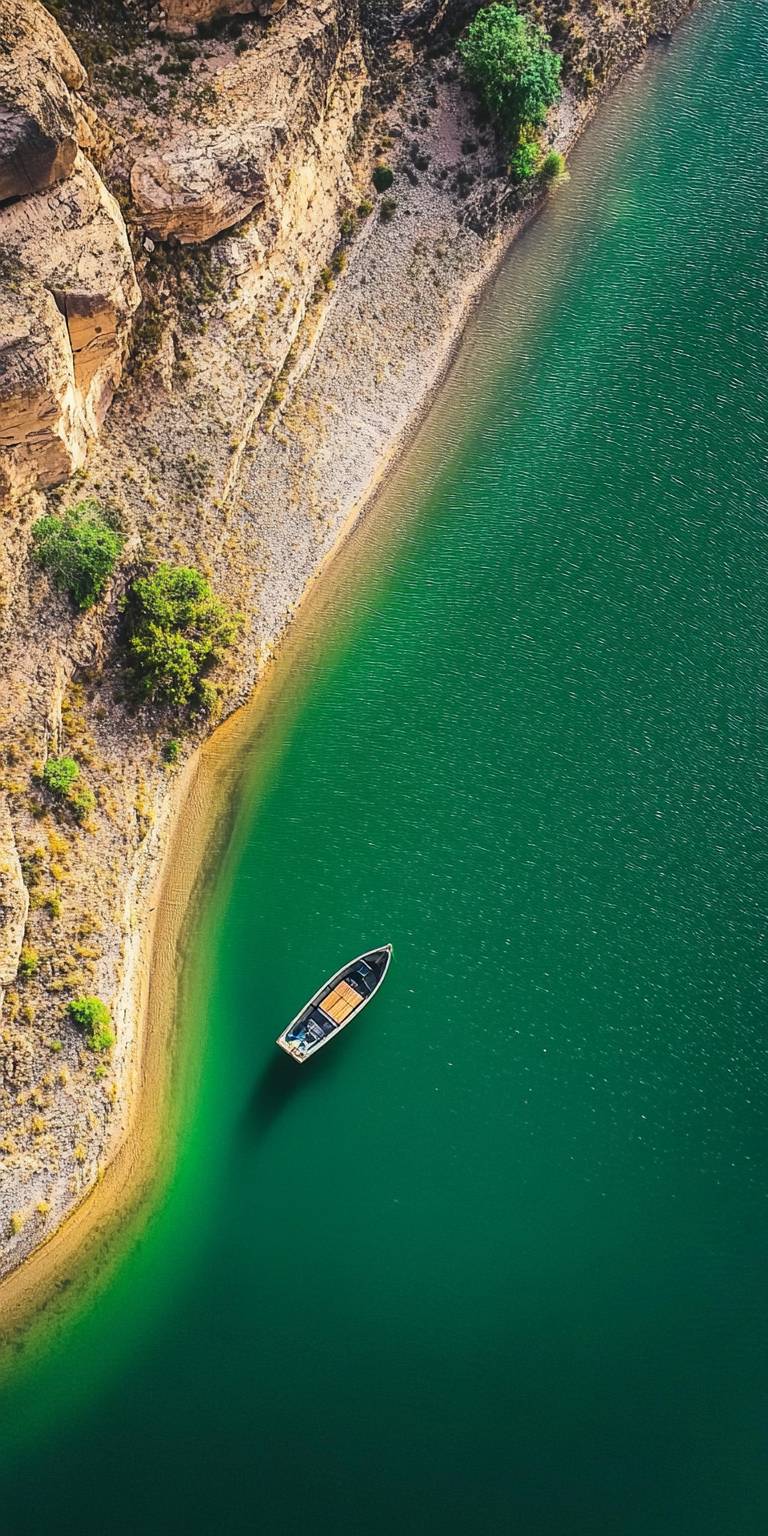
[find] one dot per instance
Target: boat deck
(335, 1004)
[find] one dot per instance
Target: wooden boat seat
(340, 1002)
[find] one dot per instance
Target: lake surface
(496, 1261)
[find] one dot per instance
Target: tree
(92, 1016)
(178, 628)
(79, 550)
(510, 63)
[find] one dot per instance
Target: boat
(340, 999)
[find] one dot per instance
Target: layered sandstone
(66, 307)
(205, 177)
(39, 116)
(14, 901)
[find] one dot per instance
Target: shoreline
(167, 890)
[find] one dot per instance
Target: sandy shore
(359, 391)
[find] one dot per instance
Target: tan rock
(42, 435)
(39, 118)
(14, 901)
(67, 302)
(270, 101)
(199, 186)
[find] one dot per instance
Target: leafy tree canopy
(79, 551)
(510, 63)
(178, 628)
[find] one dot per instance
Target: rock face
(180, 17)
(39, 117)
(270, 103)
(14, 902)
(200, 186)
(66, 307)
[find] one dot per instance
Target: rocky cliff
(192, 235)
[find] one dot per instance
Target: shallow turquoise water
(496, 1261)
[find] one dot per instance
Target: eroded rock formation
(14, 902)
(39, 116)
(179, 18)
(204, 178)
(68, 282)
(66, 307)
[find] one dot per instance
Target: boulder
(202, 185)
(39, 117)
(69, 293)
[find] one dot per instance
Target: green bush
(172, 750)
(79, 550)
(526, 155)
(59, 775)
(382, 178)
(554, 168)
(387, 209)
(511, 65)
(92, 1016)
(178, 628)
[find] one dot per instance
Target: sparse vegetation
(29, 962)
(60, 777)
(79, 550)
(387, 208)
(92, 1016)
(177, 629)
(509, 61)
(81, 801)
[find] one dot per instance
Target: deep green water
(497, 1260)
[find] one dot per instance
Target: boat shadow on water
(276, 1087)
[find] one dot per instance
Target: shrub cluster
(177, 629)
(59, 777)
(79, 550)
(382, 177)
(525, 157)
(92, 1016)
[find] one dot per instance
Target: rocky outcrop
(66, 306)
(198, 187)
(40, 120)
(14, 902)
(270, 98)
(179, 18)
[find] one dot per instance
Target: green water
(496, 1261)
